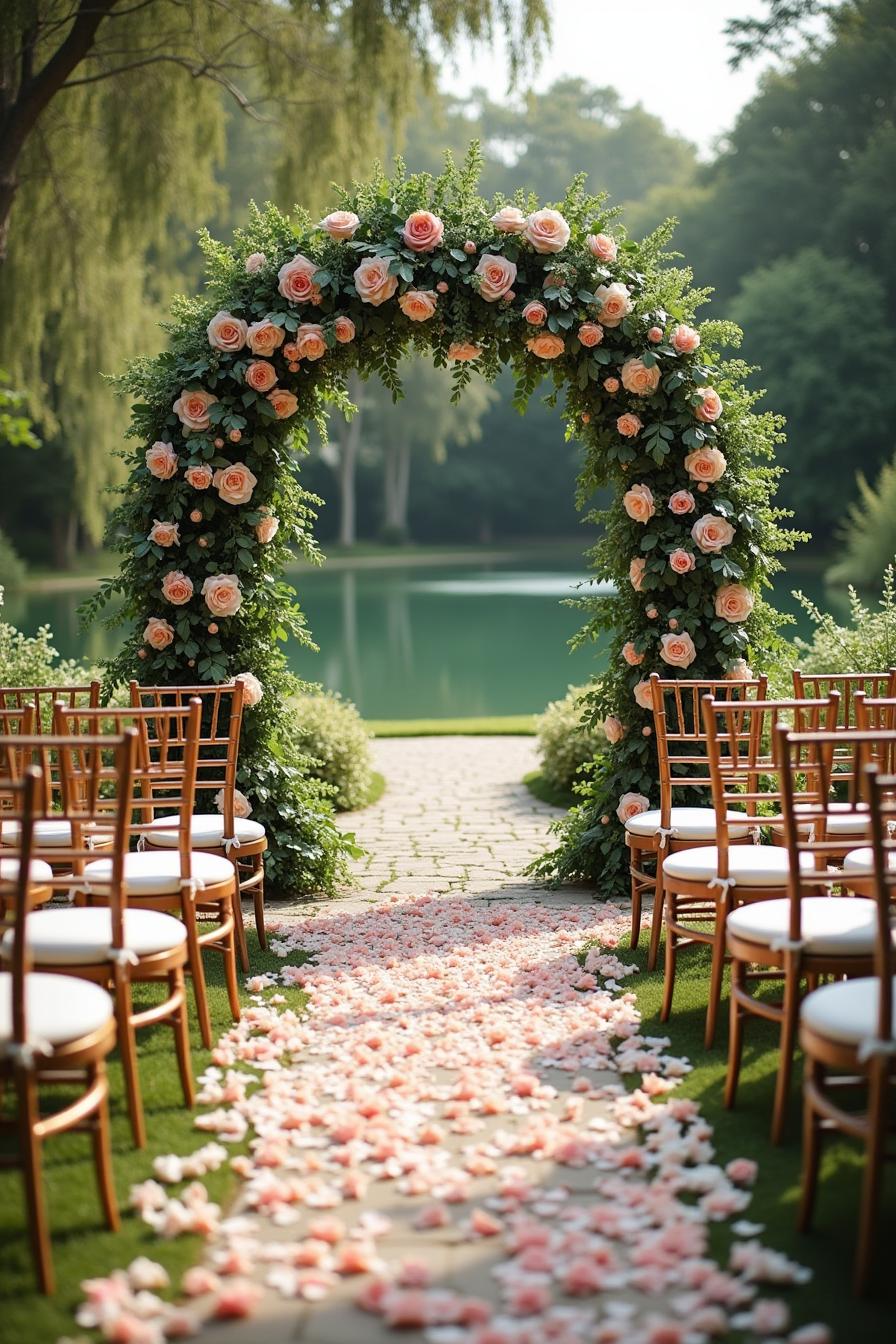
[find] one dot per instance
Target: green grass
(500, 724)
(82, 1246)
(546, 792)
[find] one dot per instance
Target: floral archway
(213, 504)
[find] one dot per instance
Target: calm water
(419, 641)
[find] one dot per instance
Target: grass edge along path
(496, 725)
(541, 788)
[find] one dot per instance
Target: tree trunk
(396, 483)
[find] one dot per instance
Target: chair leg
(636, 906)
(197, 971)
(32, 1170)
(671, 956)
(812, 1134)
(736, 1018)
(716, 973)
(791, 1009)
(258, 901)
(878, 1079)
(182, 1036)
(102, 1151)
(233, 991)
(240, 928)
(656, 917)
(127, 1045)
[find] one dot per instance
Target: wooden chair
(681, 753)
(819, 685)
(43, 698)
(240, 839)
(54, 1029)
(19, 722)
(848, 1038)
(198, 887)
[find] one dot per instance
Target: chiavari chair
(43, 698)
(819, 685)
(19, 722)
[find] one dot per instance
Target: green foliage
(868, 537)
(31, 660)
(567, 739)
(330, 730)
(866, 644)
(12, 567)
(16, 430)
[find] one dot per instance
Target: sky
(670, 55)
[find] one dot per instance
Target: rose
(636, 572)
(267, 525)
(739, 671)
(602, 246)
(705, 464)
(463, 351)
(638, 379)
(161, 460)
(177, 588)
(682, 502)
(199, 477)
(340, 224)
(638, 503)
(614, 303)
(655, 335)
(643, 694)
(545, 345)
(677, 649)
(590, 334)
(264, 337)
(164, 534)
(535, 313)
(710, 407)
(422, 231)
(241, 805)
(509, 219)
(614, 730)
(284, 403)
(260, 375)
(611, 385)
(418, 304)
(254, 262)
(547, 231)
(734, 602)
(252, 688)
(158, 633)
(682, 561)
(628, 425)
(226, 332)
(497, 275)
(631, 655)
(235, 483)
(294, 280)
(373, 282)
(222, 594)
(712, 533)
(310, 341)
(344, 329)
(631, 805)
(191, 408)
(684, 339)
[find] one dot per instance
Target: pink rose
(643, 694)
(684, 339)
(631, 655)
(497, 275)
(638, 503)
(682, 561)
(739, 671)
(710, 407)
(310, 341)
(267, 525)
(602, 246)
(614, 729)
(631, 805)
(284, 403)
(418, 304)
(682, 502)
(177, 588)
(712, 533)
(638, 379)
(677, 649)
(636, 572)
(344, 329)
(158, 633)
(547, 231)
(614, 303)
(199, 477)
(222, 594)
(535, 313)
(611, 385)
(264, 337)
(191, 408)
(254, 262)
(422, 231)
(261, 375)
(164, 534)
(509, 219)
(705, 464)
(655, 335)
(628, 425)
(546, 345)
(340, 224)
(373, 282)
(590, 334)
(294, 280)
(463, 351)
(252, 689)
(161, 460)
(734, 602)
(226, 332)
(235, 483)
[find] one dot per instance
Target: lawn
(82, 1247)
(546, 792)
(487, 726)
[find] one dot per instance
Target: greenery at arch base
(462, 327)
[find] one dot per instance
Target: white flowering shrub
(331, 732)
(566, 740)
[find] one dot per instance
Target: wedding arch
(213, 507)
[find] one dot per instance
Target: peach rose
(631, 805)
(684, 339)
(590, 334)
(602, 246)
(373, 282)
(614, 303)
(191, 408)
(614, 729)
(261, 375)
(509, 219)
(682, 502)
(199, 477)
(267, 525)
(294, 280)
(418, 304)
(254, 262)
(611, 385)
(264, 337)
(344, 329)
(547, 231)
(161, 460)
(682, 561)
(235, 483)
(177, 588)
(463, 351)
(638, 379)
(241, 805)
(422, 231)
(340, 224)
(638, 503)
(705, 464)
(252, 689)
(628, 425)
(310, 341)
(711, 533)
(497, 275)
(677, 649)
(546, 345)
(226, 332)
(164, 534)
(643, 694)
(222, 594)
(636, 572)
(734, 602)
(158, 633)
(631, 655)
(710, 407)
(284, 403)
(739, 671)
(535, 313)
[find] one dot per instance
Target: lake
(451, 637)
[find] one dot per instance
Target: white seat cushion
(860, 862)
(748, 865)
(38, 871)
(688, 823)
(82, 936)
(157, 872)
(58, 1008)
(835, 924)
(48, 833)
(843, 819)
(206, 831)
(845, 1011)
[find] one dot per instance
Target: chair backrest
(818, 686)
(17, 722)
(882, 803)
(878, 714)
(22, 794)
(43, 698)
